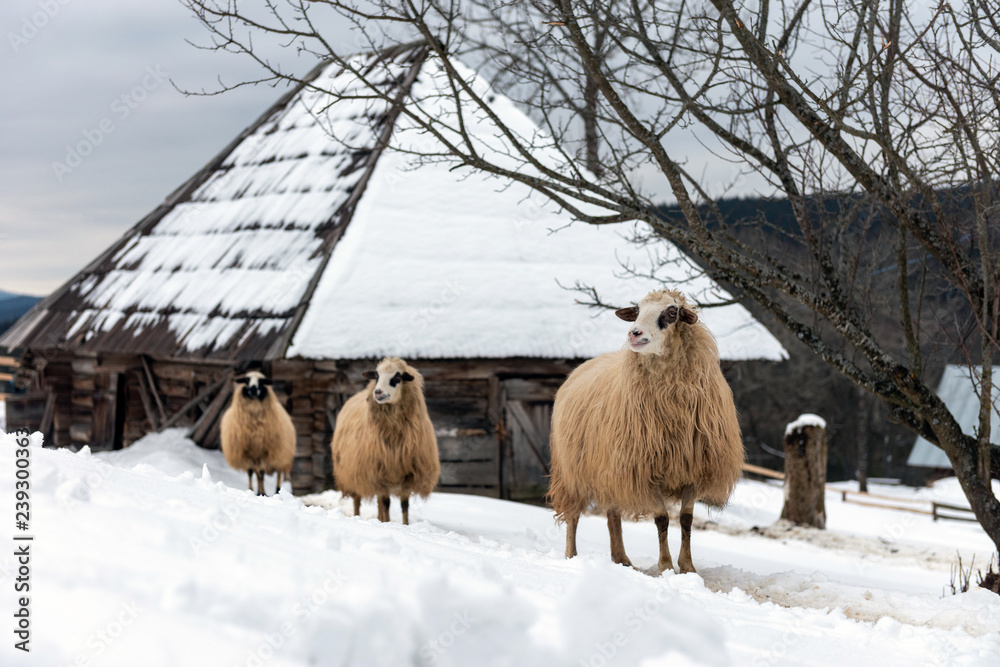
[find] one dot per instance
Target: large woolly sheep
(384, 443)
(636, 430)
(257, 433)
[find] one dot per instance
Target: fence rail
(930, 508)
(965, 513)
(764, 472)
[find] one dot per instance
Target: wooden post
(863, 430)
(205, 393)
(204, 427)
(805, 471)
(47, 415)
(151, 385)
(147, 404)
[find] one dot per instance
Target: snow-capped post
(805, 471)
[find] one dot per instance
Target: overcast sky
(96, 77)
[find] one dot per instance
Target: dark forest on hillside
(12, 306)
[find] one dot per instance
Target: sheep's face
(389, 378)
(654, 318)
(254, 386)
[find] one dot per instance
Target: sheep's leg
(250, 479)
(383, 508)
(662, 522)
(404, 502)
(687, 507)
(277, 484)
(260, 483)
(571, 523)
(357, 505)
(617, 544)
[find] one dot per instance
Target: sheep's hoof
(686, 568)
(664, 566)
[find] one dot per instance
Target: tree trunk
(591, 100)
(963, 453)
(591, 138)
(862, 441)
(805, 472)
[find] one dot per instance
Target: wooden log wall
(26, 410)
(57, 379)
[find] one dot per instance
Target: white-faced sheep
(636, 430)
(384, 443)
(257, 433)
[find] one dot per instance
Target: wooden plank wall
(304, 390)
(25, 410)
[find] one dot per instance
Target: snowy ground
(158, 555)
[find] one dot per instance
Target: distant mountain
(12, 306)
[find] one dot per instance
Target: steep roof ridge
(420, 51)
(20, 334)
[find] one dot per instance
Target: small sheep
(636, 430)
(257, 433)
(384, 442)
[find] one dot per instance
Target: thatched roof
(315, 234)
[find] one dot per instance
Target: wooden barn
(315, 244)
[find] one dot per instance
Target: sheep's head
(654, 318)
(389, 377)
(255, 385)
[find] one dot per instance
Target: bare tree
(504, 39)
(878, 121)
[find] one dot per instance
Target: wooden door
(527, 419)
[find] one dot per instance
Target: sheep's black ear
(628, 314)
(407, 377)
(266, 381)
(688, 316)
(370, 375)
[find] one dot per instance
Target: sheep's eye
(396, 379)
(667, 317)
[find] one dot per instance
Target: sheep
(257, 433)
(384, 443)
(636, 430)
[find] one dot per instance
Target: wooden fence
(930, 508)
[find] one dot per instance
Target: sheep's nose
(635, 333)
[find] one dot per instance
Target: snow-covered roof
(960, 393)
(316, 235)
